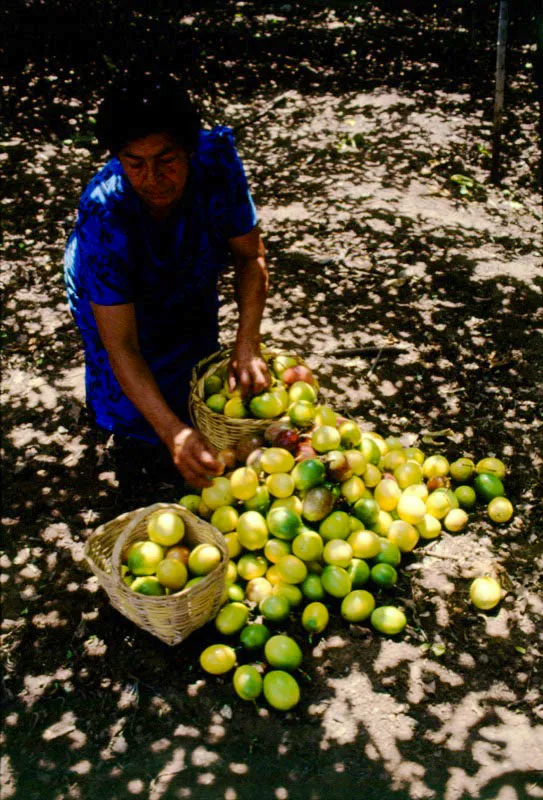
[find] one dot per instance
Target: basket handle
(202, 366)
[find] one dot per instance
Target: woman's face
(157, 168)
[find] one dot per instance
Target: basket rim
(134, 517)
(202, 369)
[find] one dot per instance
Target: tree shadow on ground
(418, 308)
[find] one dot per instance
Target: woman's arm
(247, 367)
(117, 328)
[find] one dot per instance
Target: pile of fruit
(161, 565)
(318, 516)
(293, 389)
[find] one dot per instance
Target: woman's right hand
(194, 458)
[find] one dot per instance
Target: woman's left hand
(248, 369)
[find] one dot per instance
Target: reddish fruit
(298, 373)
(274, 429)
(228, 457)
(246, 445)
(337, 466)
(287, 439)
(305, 450)
(388, 476)
(437, 482)
(179, 553)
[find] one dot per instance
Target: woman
(156, 226)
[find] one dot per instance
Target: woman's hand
(248, 369)
(194, 458)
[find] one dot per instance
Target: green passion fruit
(247, 682)
(315, 617)
(281, 690)
(488, 486)
(254, 636)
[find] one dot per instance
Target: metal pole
(499, 90)
(538, 74)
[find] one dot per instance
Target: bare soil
(419, 307)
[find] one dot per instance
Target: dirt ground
(416, 297)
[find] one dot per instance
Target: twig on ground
(375, 361)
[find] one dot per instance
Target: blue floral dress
(118, 254)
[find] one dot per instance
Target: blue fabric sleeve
(104, 258)
(240, 212)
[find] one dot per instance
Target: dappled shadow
(415, 297)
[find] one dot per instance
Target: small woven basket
(173, 617)
(221, 431)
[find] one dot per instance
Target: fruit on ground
(247, 682)
(254, 636)
(485, 593)
(283, 652)
(317, 503)
(283, 523)
(435, 466)
(466, 497)
(411, 509)
(339, 552)
(191, 502)
(281, 690)
(218, 659)
(252, 530)
(315, 617)
(357, 605)
(462, 469)
(500, 509)
(218, 494)
(243, 483)
(225, 519)
(359, 572)
(456, 520)
(251, 566)
(291, 591)
(388, 619)
(308, 473)
(308, 545)
(274, 608)
(488, 486)
(493, 466)
(291, 569)
(384, 575)
(403, 534)
(336, 581)
(276, 459)
(325, 438)
(231, 618)
(257, 589)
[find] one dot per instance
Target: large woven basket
(170, 618)
(221, 431)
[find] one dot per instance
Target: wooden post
(499, 90)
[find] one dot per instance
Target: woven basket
(221, 431)
(170, 618)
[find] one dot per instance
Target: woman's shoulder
(107, 189)
(217, 147)
(107, 196)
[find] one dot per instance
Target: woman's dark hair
(140, 106)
